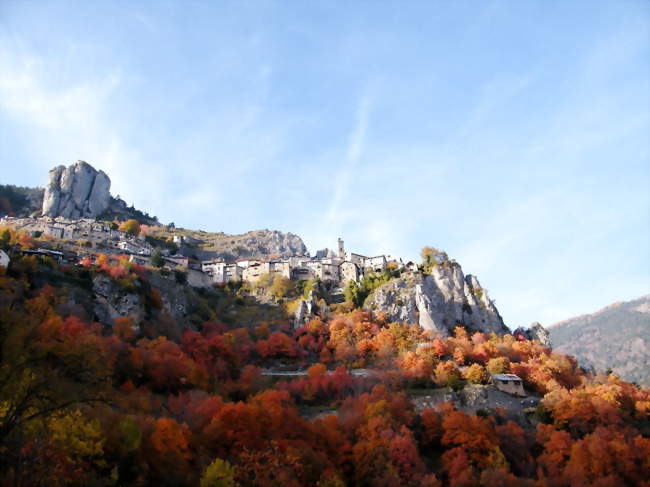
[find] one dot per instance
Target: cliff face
(256, 243)
(78, 191)
(438, 302)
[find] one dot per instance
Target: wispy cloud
(336, 214)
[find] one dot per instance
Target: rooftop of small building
(506, 377)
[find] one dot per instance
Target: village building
(196, 278)
(375, 264)
(54, 231)
(134, 247)
(139, 259)
(510, 383)
(336, 267)
(216, 269)
(348, 271)
(54, 254)
(233, 272)
(301, 273)
(253, 272)
(177, 261)
(280, 267)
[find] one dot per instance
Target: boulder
(78, 191)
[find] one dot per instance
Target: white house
(134, 247)
(216, 269)
(375, 264)
(4, 259)
(355, 258)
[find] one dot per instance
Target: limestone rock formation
(535, 332)
(310, 308)
(274, 242)
(438, 301)
(256, 243)
(78, 191)
(110, 302)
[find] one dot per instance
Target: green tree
(156, 258)
(352, 293)
(5, 238)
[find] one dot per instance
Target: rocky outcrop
(256, 243)
(271, 242)
(310, 308)
(112, 302)
(78, 191)
(438, 301)
(535, 332)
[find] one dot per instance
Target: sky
(514, 135)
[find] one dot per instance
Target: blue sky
(514, 135)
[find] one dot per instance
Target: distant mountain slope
(616, 337)
(20, 201)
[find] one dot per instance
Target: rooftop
(506, 377)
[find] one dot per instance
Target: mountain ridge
(616, 337)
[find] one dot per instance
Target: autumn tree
(219, 473)
(131, 226)
(477, 374)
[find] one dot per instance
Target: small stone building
(509, 383)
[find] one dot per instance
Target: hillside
(20, 201)
(183, 387)
(616, 337)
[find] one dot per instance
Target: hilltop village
(72, 240)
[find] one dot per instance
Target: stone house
(330, 272)
(245, 263)
(301, 273)
(355, 258)
(233, 272)
(253, 272)
(196, 278)
(177, 261)
(375, 264)
(54, 231)
(509, 383)
(216, 269)
(348, 271)
(280, 267)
